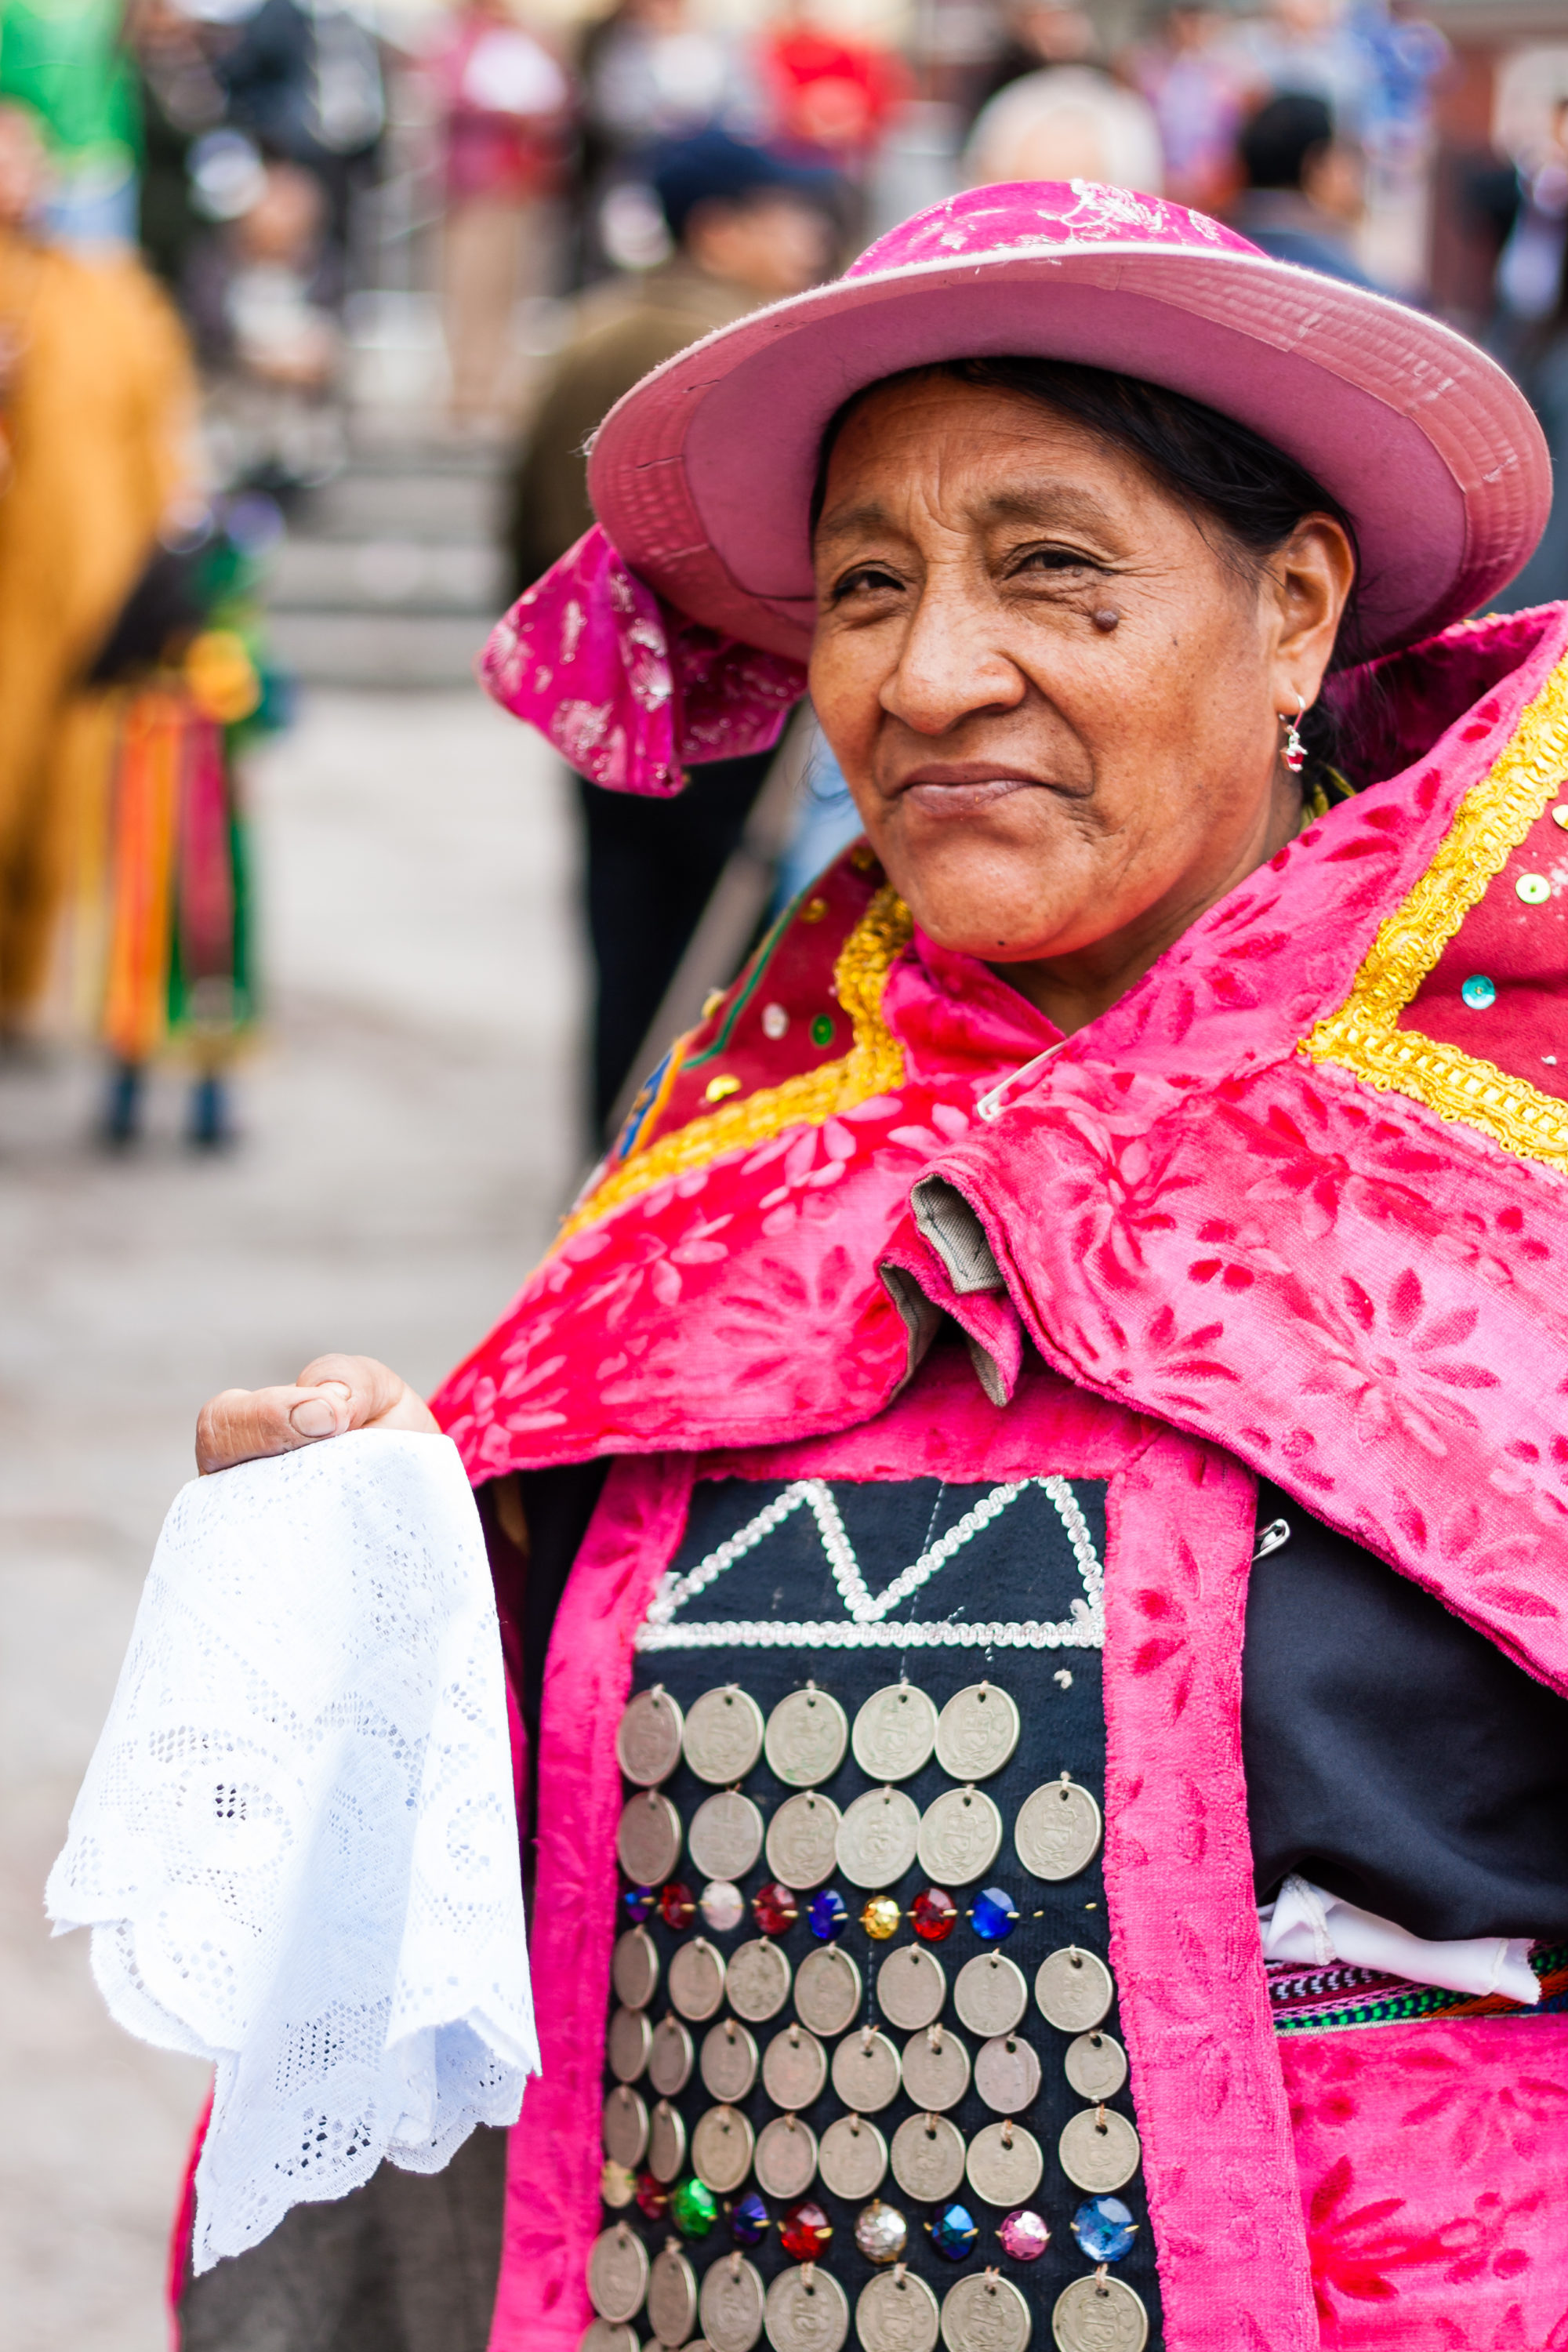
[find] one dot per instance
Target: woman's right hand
(333, 1394)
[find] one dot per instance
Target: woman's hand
(333, 1394)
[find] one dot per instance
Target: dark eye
(1056, 559)
(866, 579)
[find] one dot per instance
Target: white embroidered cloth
(296, 1842)
(1306, 1923)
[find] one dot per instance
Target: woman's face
(1055, 700)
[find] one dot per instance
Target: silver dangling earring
(1295, 753)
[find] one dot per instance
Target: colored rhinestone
(723, 1906)
(993, 1914)
(822, 1029)
(881, 2233)
(805, 2231)
(1533, 889)
(749, 2220)
(1023, 2236)
(677, 1904)
(653, 2197)
(617, 2186)
(774, 1909)
(879, 1917)
(775, 1021)
(828, 1916)
(954, 2233)
(1479, 993)
(641, 1903)
(933, 1916)
(717, 1088)
(1104, 2228)
(693, 2209)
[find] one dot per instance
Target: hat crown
(1022, 215)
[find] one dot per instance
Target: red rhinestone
(653, 2197)
(933, 1916)
(774, 1909)
(679, 1905)
(805, 2231)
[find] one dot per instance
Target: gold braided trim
(873, 1065)
(1363, 1036)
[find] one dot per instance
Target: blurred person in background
(1303, 189)
(747, 228)
(1067, 123)
(1192, 81)
(1037, 33)
(505, 107)
(180, 104)
(1530, 335)
(99, 405)
(303, 79)
(66, 61)
(1305, 48)
(261, 296)
(832, 98)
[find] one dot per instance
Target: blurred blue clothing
(825, 822)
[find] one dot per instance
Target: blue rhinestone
(992, 1913)
(641, 1903)
(749, 2220)
(1479, 992)
(828, 1916)
(953, 2231)
(1104, 2228)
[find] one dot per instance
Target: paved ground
(409, 1141)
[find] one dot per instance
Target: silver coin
(671, 2296)
(634, 1967)
(730, 2304)
(617, 2273)
(897, 2313)
(828, 1990)
(927, 2157)
(1098, 2150)
(1058, 1830)
(617, 2184)
(936, 2069)
(648, 1740)
(806, 1736)
(976, 1732)
(670, 2059)
(626, 2126)
(785, 2157)
(728, 2061)
(806, 2311)
(627, 2045)
(895, 1733)
(1008, 2074)
(960, 1836)
(985, 2313)
(911, 1984)
(853, 2159)
(1096, 2065)
(758, 1980)
(879, 1837)
(1099, 2314)
(647, 1842)
(866, 2072)
(1074, 1990)
(802, 1840)
(990, 1994)
(724, 1837)
(722, 2147)
(696, 1978)
(723, 1735)
(665, 2142)
(604, 2336)
(1005, 2164)
(795, 2068)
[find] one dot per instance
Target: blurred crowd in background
(213, 214)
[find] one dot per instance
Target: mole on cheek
(1106, 619)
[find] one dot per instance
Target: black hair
(1219, 469)
(1273, 147)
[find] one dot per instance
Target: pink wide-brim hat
(702, 475)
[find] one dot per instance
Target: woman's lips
(963, 796)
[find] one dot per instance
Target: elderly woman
(1046, 1796)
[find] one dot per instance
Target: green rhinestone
(693, 2209)
(822, 1029)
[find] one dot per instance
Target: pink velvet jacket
(1292, 1206)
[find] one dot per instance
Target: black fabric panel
(1394, 1755)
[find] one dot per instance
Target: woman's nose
(950, 666)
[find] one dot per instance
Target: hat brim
(702, 475)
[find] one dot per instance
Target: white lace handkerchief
(296, 1842)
